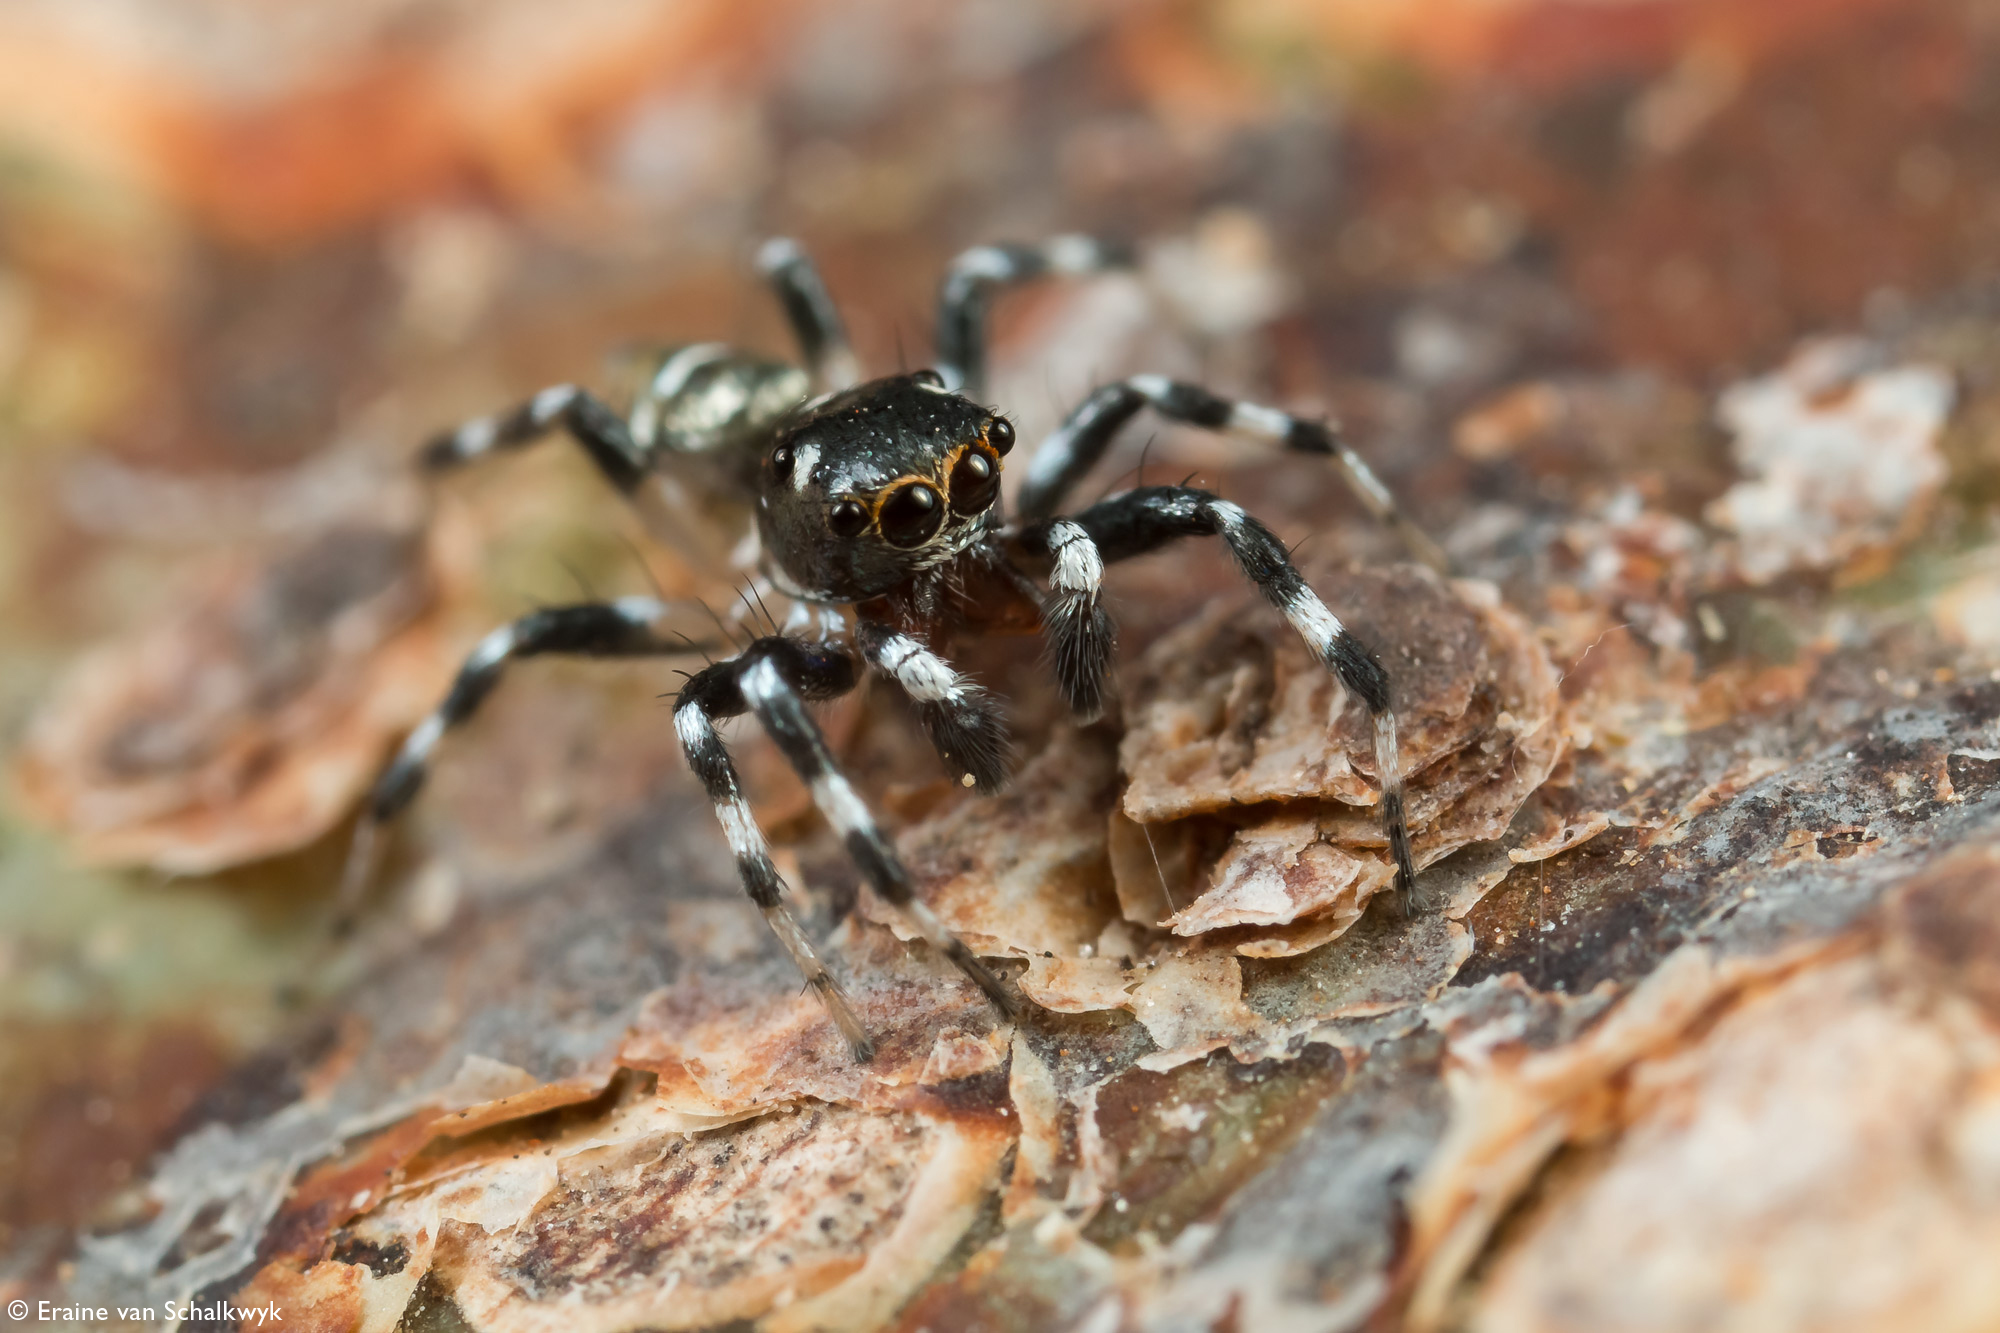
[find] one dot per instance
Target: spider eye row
(913, 512)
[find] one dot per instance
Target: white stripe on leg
(475, 437)
(551, 403)
(710, 759)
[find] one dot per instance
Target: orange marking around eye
(940, 483)
(981, 447)
(986, 445)
(881, 497)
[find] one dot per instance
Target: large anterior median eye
(974, 482)
(912, 515)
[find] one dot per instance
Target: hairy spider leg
(964, 721)
(717, 693)
(605, 438)
(1143, 520)
(622, 628)
(815, 320)
(779, 707)
(968, 288)
(772, 679)
(1077, 445)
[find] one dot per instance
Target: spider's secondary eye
(930, 377)
(781, 461)
(847, 518)
(1000, 435)
(974, 483)
(912, 515)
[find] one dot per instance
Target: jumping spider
(875, 508)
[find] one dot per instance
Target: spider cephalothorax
(875, 507)
(875, 484)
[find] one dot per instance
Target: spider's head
(879, 483)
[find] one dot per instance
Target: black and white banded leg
(815, 320)
(773, 679)
(779, 706)
(1143, 520)
(968, 287)
(1077, 445)
(716, 693)
(604, 437)
(627, 627)
(963, 720)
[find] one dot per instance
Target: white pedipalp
(923, 675)
(1079, 568)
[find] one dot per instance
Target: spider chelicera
(875, 508)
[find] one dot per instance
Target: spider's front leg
(1143, 520)
(1077, 445)
(773, 679)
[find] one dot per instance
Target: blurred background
(252, 253)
